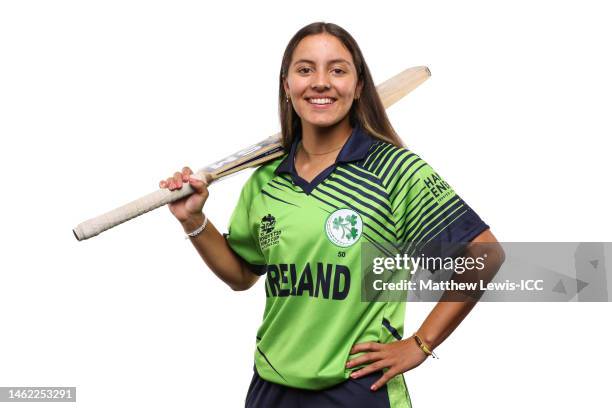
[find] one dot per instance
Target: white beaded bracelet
(198, 230)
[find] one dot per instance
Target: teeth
(321, 101)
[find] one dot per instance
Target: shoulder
(261, 176)
(386, 161)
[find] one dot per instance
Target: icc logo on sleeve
(268, 234)
(343, 227)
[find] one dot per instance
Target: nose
(320, 82)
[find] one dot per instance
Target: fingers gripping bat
(268, 149)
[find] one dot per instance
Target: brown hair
(368, 110)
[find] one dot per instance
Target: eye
(338, 71)
(304, 70)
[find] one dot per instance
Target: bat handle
(151, 201)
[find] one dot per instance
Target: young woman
(300, 220)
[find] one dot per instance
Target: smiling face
(322, 81)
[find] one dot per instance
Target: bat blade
(268, 149)
(262, 152)
(395, 88)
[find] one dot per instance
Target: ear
(358, 89)
(286, 86)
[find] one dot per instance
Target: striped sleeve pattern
(427, 213)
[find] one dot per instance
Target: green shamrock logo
(347, 224)
(351, 219)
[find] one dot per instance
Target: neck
(320, 140)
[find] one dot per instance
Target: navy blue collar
(356, 148)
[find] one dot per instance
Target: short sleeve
(431, 218)
(241, 232)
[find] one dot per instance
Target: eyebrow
(334, 61)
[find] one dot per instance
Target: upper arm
(487, 237)
(249, 277)
(431, 218)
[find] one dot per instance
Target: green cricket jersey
(305, 237)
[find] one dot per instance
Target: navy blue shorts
(350, 393)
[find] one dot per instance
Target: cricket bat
(268, 149)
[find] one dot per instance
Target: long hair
(367, 111)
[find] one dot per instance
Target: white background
(99, 100)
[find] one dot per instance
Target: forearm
(454, 306)
(443, 320)
(217, 254)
